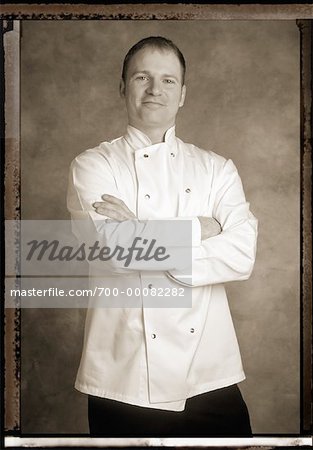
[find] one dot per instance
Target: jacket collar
(137, 139)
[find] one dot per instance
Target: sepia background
(243, 103)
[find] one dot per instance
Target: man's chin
(152, 119)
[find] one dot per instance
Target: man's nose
(154, 87)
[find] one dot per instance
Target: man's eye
(169, 81)
(142, 77)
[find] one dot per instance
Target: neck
(155, 135)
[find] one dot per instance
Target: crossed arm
(115, 209)
(222, 251)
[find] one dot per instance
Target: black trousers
(222, 412)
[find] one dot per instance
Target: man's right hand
(209, 227)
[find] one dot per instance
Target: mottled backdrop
(243, 102)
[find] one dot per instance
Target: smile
(153, 104)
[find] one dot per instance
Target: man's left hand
(114, 208)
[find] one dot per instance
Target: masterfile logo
(140, 250)
(85, 263)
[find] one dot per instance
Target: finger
(110, 205)
(114, 201)
(116, 208)
(118, 204)
(113, 213)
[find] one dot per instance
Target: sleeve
(229, 256)
(90, 177)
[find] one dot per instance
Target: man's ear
(122, 88)
(182, 96)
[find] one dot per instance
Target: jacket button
(153, 336)
(150, 286)
(188, 190)
(146, 155)
(147, 196)
(173, 154)
(192, 330)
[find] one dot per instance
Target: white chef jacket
(159, 357)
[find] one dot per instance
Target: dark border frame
(302, 13)
(306, 125)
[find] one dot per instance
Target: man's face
(153, 90)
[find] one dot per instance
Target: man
(163, 371)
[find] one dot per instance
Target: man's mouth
(153, 104)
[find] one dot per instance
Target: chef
(168, 363)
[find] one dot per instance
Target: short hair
(158, 42)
